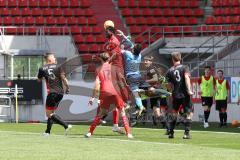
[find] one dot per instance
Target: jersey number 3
(177, 75)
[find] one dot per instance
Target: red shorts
(107, 101)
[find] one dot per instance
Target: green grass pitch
(25, 142)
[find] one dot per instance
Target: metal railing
(182, 31)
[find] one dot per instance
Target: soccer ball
(234, 123)
(108, 23)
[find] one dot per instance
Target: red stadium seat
(26, 12)
(82, 21)
(11, 31)
(132, 4)
(198, 12)
(130, 20)
(46, 12)
(31, 30)
(86, 30)
(61, 20)
(79, 38)
(122, 4)
(188, 12)
(151, 21)
(92, 21)
(153, 3)
(96, 30)
(228, 20)
(57, 12)
(36, 12)
(67, 12)
(139, 39)
(178, 12)
(236, 11)
(18, 21)
(75, 30)
(136, 12)
(193, 21)
(235, 3)
(147, 12)
(172, 21)
(29, 20)
(74, 3)
(218, 12)
(141, 21)
(167, 12)
(33, 3)
(177, 29)
(216, 3)
(15, 12)
(162, 21)
(135, 29)
(54, 30)
(53, 3)
(187, 29)
(183, 3)
(163, 4)
(40, 21)
(156, 29)
(90, 39)
(5, 12)
(43, 3)
(157, 12)
(22, 3)
(88, 12)
(167, 29)
(219, 20)
(50, 21)
(126, 12)
(210, 20)
(93, 48)
(236, 20)
(7, 20)
(3, 3)
(72, 21)
(182, 21)
(12, 3)
(63, 3)
(193, 4)
(85, 4)
(173, 3)
(228, 11)
(100, 39)
(142, 3)
(78, 12)
(226, 3)
(83, 48)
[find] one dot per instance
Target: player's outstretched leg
(49, 126)
(93, 126)
(115, 128)
(187, 125)
(56, 118)
(126, 123)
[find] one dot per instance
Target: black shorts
(221, 104)
(207, 101)
(163, 101)
(154, 102)
(183, 105)
(53, 99)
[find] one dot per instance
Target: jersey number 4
(177, 75)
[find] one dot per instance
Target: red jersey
(109, 87)
(113, 46)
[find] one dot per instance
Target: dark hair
(47, 55)
(150, 58)
(220, 71)
(104, 56)
(207, 67)
(137, 49)
(111, 29)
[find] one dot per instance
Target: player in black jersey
(179, 78)
(55, 79)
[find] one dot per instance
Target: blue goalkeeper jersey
(131, 62)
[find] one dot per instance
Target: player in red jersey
(108, 86)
